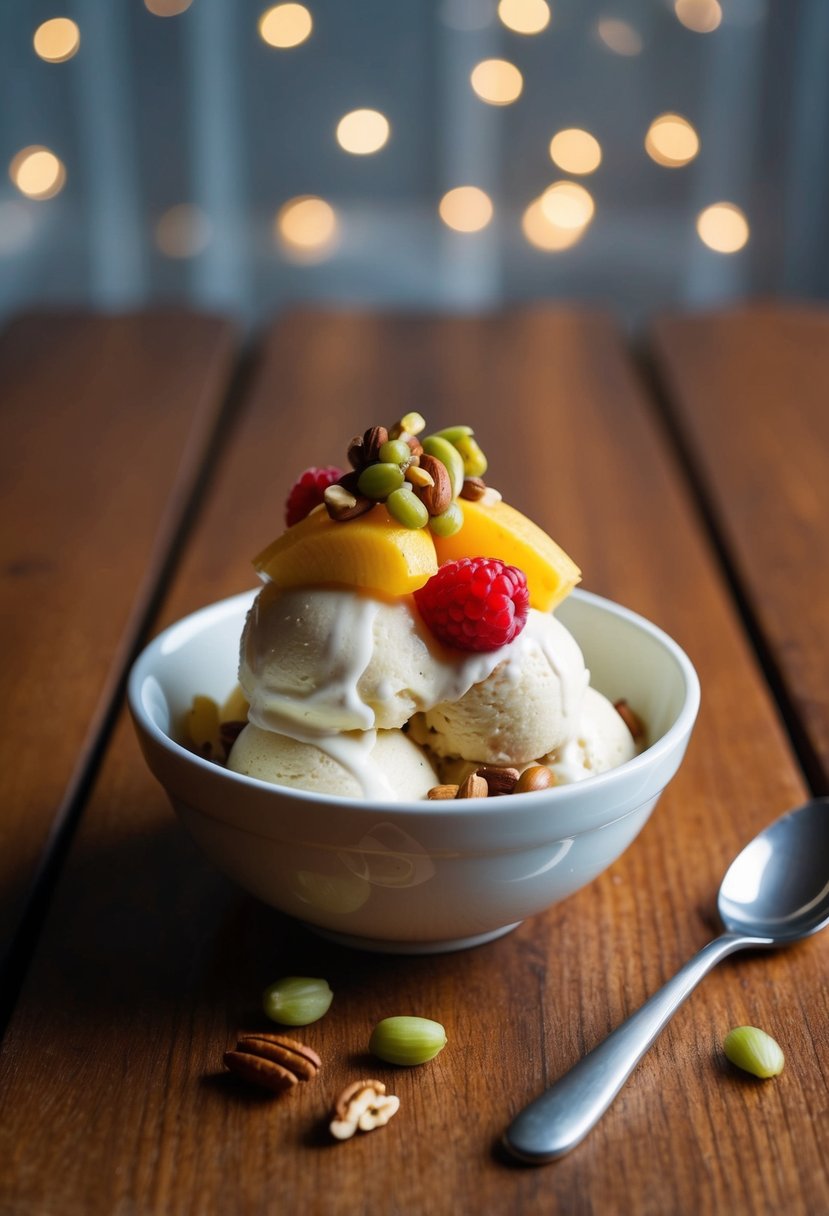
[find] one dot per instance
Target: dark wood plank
(152, 963)
(749, 390)
(105, 426)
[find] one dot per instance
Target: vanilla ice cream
(602, 741)
(381, 764)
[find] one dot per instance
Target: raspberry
(476, 603)
(307, 492)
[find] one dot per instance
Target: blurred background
(440, 154)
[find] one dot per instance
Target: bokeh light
(619, 36)
(701, 16)
(362, 132)
(183, 231)
(723, 227)
(568, 205)
(307, 227)
(167, 8)
(671, 141)
(57, 40)
(497, 81)
(544, 234)
(285, 25)
(37, 172)
(466, 209)
(576, 151)
(524, 16)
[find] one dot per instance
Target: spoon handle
(557, 1121)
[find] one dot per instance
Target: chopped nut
(536, 777)
(272, 1061)
(439, 793)
(499, 780)
(473, 489)
(473, 787)
(342, 505)
(491, 496)
(230, 732)
(356, 452)
(362, 1106)
(419, 477)
(373, 440)
(436, 497)
(631, 719)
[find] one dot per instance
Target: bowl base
(377, 945)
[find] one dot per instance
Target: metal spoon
(774, 893)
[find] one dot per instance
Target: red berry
(476, 603)
(307, 492)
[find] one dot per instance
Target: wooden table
(146, 459)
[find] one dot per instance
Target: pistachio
(413, 423)
(297, 1000)
(754, 1051)
(536, 777)
(407, 1040)
(474, 461)
(448, 454)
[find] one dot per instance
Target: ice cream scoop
(602, 741)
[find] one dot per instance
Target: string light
(497, 81)
(183, 231)
(307, 227)
(57, 40)
(37, 172)
(568, 205)
(541, 232)
(701, 16)
(671, 141)
(723, 227)
(363, 131)
(619, 36)
(576, 151)
(466, 209)
(167, 8)
(524, 16)
(285, 25)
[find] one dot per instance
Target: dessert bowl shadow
(414, 877)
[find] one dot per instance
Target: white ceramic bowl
(414, 877)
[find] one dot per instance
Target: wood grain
(750, 391)
(152, 963)
(106, 421)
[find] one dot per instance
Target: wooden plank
(106, 421)
(152, 963)
(749, 391)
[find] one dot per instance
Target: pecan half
(272, 1061)
(630, 718)
(373, 440)
(362, 1105)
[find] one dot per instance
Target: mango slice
(373, 552)
(498, 530)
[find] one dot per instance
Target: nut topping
(362, 1106)
(473, 489)
(440, 793)
(342, 505)
(499, 780)
(473, 787)
(436, 497)
(272, 1061)
(373, 440)
(631, 719)
(536, 777)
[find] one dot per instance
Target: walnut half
(362, 1106)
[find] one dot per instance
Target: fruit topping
(373, 552)
(307, 492)
(497, 529)
(475, 603)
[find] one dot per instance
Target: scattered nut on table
(272, 1061)
(362, 1106)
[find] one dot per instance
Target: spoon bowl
(774, 893)
(778, 887)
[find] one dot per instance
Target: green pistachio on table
(754, 1051)
(297, 1000)
(407, 1040)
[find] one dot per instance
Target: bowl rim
(202, 618)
